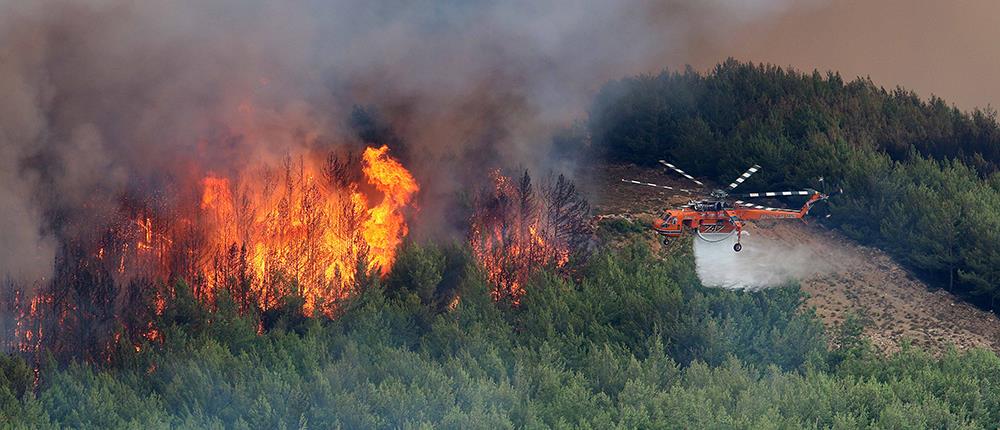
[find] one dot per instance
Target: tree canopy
(635, 343)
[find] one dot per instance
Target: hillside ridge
(854, 280)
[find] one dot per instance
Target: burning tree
(303, 229)
(517, 229)
(306, 232)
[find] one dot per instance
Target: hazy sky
(947, 48)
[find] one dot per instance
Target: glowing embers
(516, 231)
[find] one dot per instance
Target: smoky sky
(104, 98)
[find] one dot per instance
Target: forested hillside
(636, 343)
(622, 336)
(920, 177)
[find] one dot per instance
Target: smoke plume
(106, 99)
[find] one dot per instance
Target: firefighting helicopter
(714, 218)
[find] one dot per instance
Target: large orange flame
(385, 227)
(301, 236)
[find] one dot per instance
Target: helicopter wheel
(666, 241)
(737, 247)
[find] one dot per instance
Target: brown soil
(858, 280)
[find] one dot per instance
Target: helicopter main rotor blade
(683, 173)
(753, 169)
(657, 186)
(751, 205)
(776, 194)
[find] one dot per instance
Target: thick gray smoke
(105, 98)
(763, 262)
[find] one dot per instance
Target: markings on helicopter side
(712, 228)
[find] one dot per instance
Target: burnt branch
(342, 170)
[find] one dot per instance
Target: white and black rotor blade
(753, 206)
(665, 187)
(768, 194)
(683, 173)
(753, 169)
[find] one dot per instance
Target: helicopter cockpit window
(672, 220)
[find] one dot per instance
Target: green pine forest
(630, 338)
(920, 178)
(635, 343)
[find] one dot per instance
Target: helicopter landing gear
(739, 235)
(666, 241)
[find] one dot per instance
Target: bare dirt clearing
(844, 276)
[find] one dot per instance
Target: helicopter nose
(657, 223)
